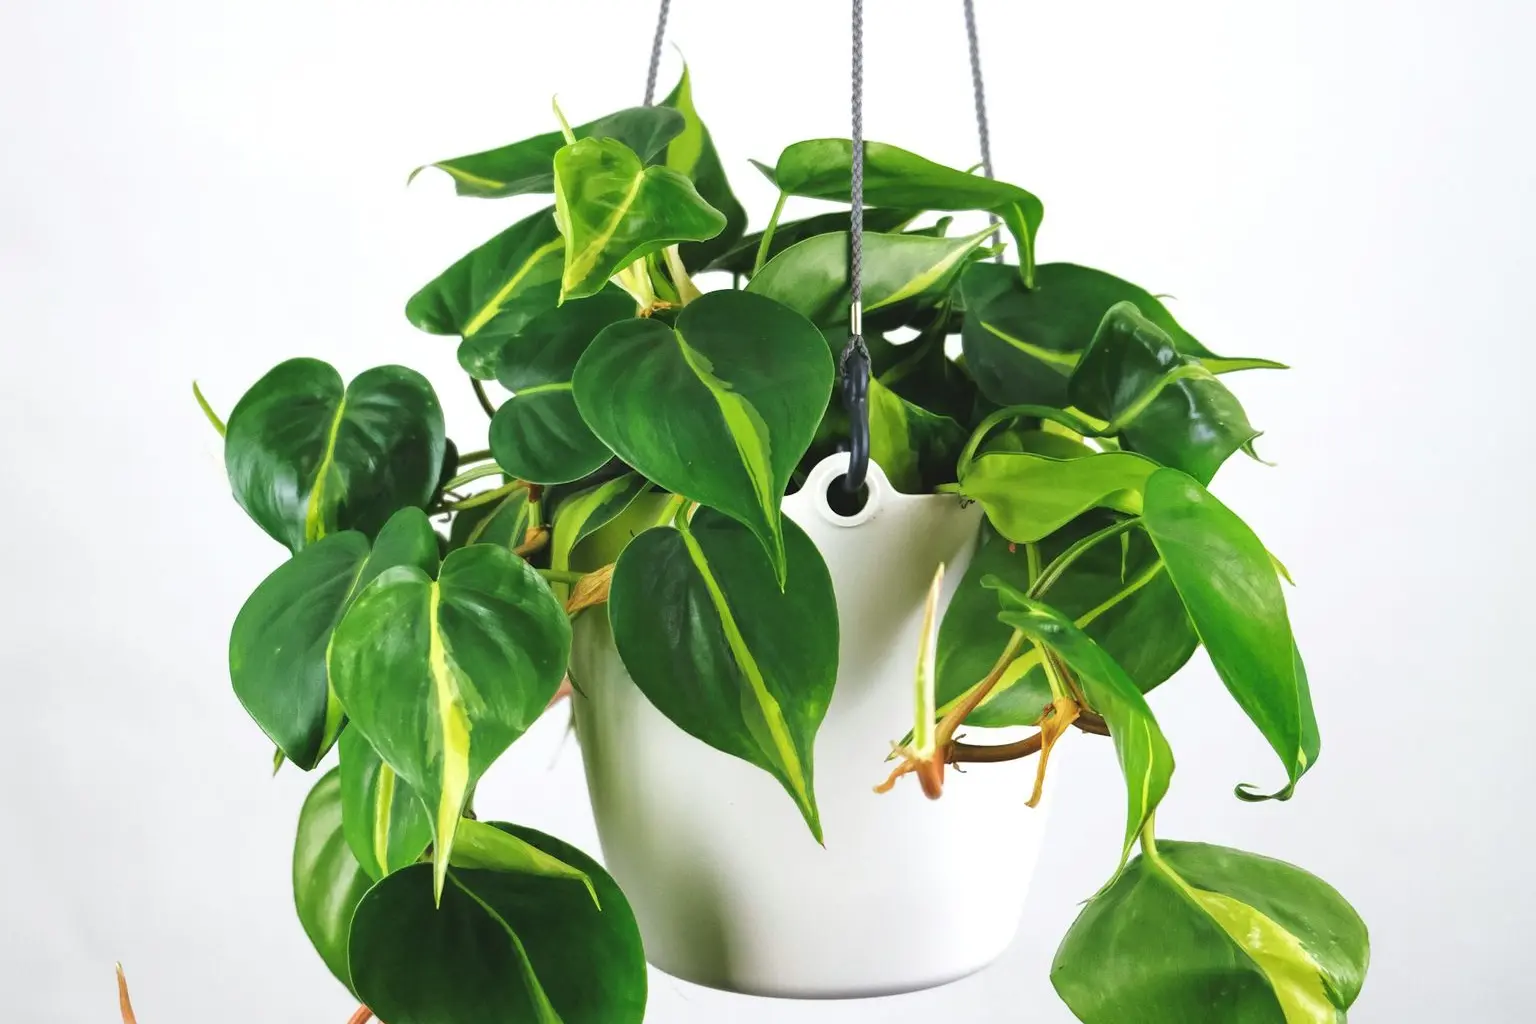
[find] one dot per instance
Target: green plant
(639, 461)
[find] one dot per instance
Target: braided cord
(661, 34)
(855, 360)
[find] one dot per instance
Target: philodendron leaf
(308, 457)
(1232, 593)
(537, 434)
(492, 293)
(742, 257)
(693, 155)
(1146, 760)
(505, 945)
(718, 408)
(328, 883)
(278, 645)
(713, 641)
(488, 847)
(613, 210)
(902, 273)
(441, 676)
(1165, 405)
(915, 448)
(525, 166)
(822, 168)
(1205, 933)
(581, 515)
(504, 523)
(385, 824)
(1029, 495)
(1022, 344)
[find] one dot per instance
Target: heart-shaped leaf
(583, 514)
(712, 640)
(822, 169)
(385, 824)
(1165, 405)
(693, 155)
(442, 676)
(718, 408)
(328, 883)
(492, 293)
(741, 257)
(1022, 344)
(504, 522)
(1146, 760)
(505, 945)
(613, 210)
(1204, 933)
(524, 166)
(1230, 588)
(537, 434)
(307, 457)
(278, 644)
(1029, 495)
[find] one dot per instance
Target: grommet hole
(844, 502)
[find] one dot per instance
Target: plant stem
(979, 692)
(561, 576)
(479, 455)
(669, 511)
(202, 402)
(1045, 412)
(565, 126)
(471, 475)
(773, 224)
(1064, 560)
(485, 497)
(989, 753)
(1032, 562)
(485, 400)
(1149, 839)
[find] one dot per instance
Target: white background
(201, 188)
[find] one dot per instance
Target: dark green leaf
(442, 676)
(693, 154)
(503, 946)
(718, 408)
(613, 210)
(742, 257)
(1204, 933)
(916, 448)
(328, 883)
(385, 824)
(537, 434)
(583, 514)
(307, 458)
(1231, 590)
(488, 846)
(278, 644)
(525, 166)
(710, 638)
(504, 523)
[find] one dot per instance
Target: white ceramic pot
(730, 889)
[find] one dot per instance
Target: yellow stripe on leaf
(453, 736)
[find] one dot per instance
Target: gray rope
(854, 363)
(661, 33)
(980, 92)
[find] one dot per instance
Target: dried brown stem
(362, 1016)
(123, 1003)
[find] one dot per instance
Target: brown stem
(485, 400)
(362, 1016)
(986, 753)
(123, 1003)
(960, 712)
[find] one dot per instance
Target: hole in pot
(839, 500)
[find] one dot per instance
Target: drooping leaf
(525, 166)
(613, 210)
(491, 294)
(537, 434)
(1029, 495)
(1022, 344)
(1146, 760)
(1232, 593)
(1165, 405)
(718, 408)
(693, 155)
(581, 515)
(488, 846)
(307, 457)
(278, 644)
(822, 169)
(742, 256)
(1202, 932)
(505, 945)
(915, 448)
(385, 824)
(717, 646)
(504, 523)
(441, 676)
(328, 883)
(902, 274)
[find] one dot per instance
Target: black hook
(856, 402)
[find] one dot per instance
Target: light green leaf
(613, 210)
(749, 669)
(443, 676)
(718, 408)
(742, 256)
(485, 847)
(1233, 596)
(307, 457)
(328, 883)
(1198, 932)
(385, 824)
(915, 448)
(693, 155)
(1028, 496)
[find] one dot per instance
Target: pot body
(729, 887)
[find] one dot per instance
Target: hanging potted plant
(671, 520)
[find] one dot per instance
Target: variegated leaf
(385, 823)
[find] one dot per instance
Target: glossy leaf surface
(1230, 587)
(718, 408)
(441, 676)
(328, 883)
(692, 154)
(278, 645)
(385, 824)
(537, 434)
(613, 210)
(308, 457)
(714, 643)
(1029, 496)
(525, 166)
(504, 945)
(583, 514)
(504, 523)
(1203, 932)
(741, 257)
